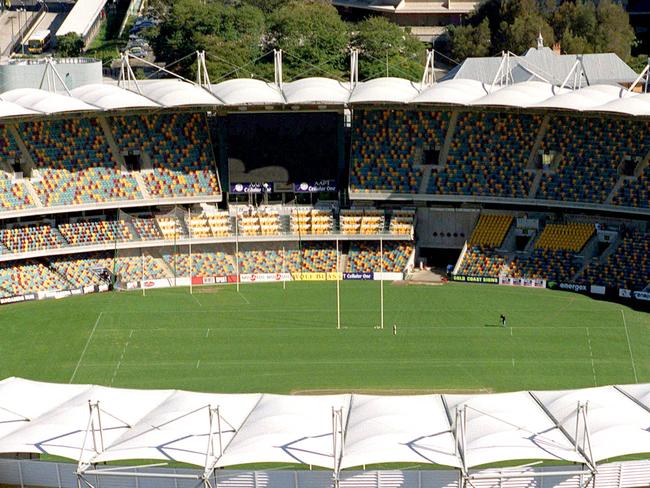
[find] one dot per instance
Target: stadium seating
(13, 195)
(75, 163)
(30, 238)
(311, 221)
(179, 148)
(362, 221)
(628, 267)
(313, 257)
(258, 222)
(571, 237)
(147, 228)
(490, 231)
(388, 144)
(204, 263)
(402, 222)
(552, 265)
(82, 233)
(365, 256)
(30, 276)
(481, 261)
(635, 192)
(170, 227)
(488, 156)
(591, 150)
(83, 269)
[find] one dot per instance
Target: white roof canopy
(171, 93)
(45, 102)
(248, 91)
(172, 425)
(111, 97)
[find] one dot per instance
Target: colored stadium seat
(75, 163)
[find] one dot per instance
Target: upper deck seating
(75, 163)
(488, 156)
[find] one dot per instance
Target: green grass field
(266, 339)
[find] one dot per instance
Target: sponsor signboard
(332, 276)
(641, 295)
(624, 293)
(597, 290)
(244, 188)
(475, 279)
(526, 282)
(315, 186)
(358, 276)
(264, 277)
(572, 287)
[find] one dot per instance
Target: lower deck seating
(204, 263)
(84, 269)
(366, 257)
(551, 265)
(628, 267)
(30, 276)
(481, 261)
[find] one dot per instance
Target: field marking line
(119, 363)
(207, 333)
(198, 361)
(361, 327)
(196, 300)
(83, 352)
(513, 362)
(245, 299)
(591, 355)
(131, 334)
(629, 346)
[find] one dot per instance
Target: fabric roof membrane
(111, 97)
(172, 425)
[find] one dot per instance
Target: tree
(231, 35)
(70, 45)
(469, 41)
(581, 26)
(386, 49)
(313, 36)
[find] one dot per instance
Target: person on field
(503, 320)
(394, 329)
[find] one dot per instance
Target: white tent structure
(94, 424)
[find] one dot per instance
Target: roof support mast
(277, 64)
(202, 76)
(645, 74)
(337, 443)
(354, 67)
(429, 75)
(51, 75)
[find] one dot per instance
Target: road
(50, 20)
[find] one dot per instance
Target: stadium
(249, 284)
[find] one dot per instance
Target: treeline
(239, 36)
(579, 27)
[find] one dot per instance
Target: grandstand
(123, 191)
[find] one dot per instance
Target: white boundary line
(591, 354)
(629, 346)
(92, 332)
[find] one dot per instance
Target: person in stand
(503, 320)
(394, 329)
